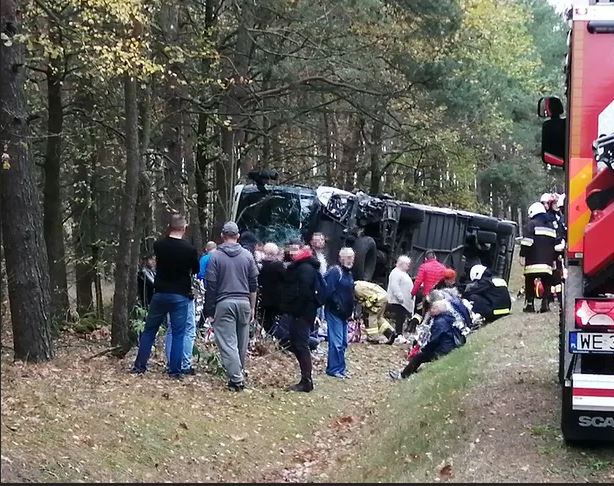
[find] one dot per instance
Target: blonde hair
(271, 250)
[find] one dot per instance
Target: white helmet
(476, 272)
(546, 197)
(560, 200)
(535, 209)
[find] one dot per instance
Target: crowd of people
(298, 297)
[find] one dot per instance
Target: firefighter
(373, 300)
(488, 295)
(538, 255)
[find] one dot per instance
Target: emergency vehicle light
(595, 313)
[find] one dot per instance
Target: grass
(422, 420)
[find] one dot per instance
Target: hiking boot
(545, 307)
(529, 307)
(302, 386)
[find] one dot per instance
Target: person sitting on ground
(271, 284)
(204, 259)
(430, 273)
(444, 337)
(373, 299)
(488, 295)
(400, 299)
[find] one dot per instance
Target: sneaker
(236, 387)
(302, 386)
(341, 376)
(395, 374)
(400, 340)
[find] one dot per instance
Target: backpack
(321, 290)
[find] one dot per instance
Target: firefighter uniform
(489, 295)
(537, 248)
(374, 299)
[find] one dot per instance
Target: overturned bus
(379, 229)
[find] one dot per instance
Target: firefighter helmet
(546, 197)
(535, 209)
(476, 272)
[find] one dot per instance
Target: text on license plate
(591, 342)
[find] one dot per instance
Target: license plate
(591, 342)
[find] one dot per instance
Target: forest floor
(487, 412)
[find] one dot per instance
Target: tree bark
(120, 331)
(53, 214)
(375, 149)
(22, 231)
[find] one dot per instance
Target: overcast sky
(560, 5)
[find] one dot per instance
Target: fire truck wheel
(366, 258)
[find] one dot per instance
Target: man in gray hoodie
(230, 298)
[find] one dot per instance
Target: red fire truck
(583, 145)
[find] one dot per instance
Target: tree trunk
(227, 167)
(375, 149)
(53, 215)
(22, 231)
(120, 332)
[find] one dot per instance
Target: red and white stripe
(593, 392)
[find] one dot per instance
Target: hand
(252, 315)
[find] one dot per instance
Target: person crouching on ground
(338, 309)
(374, 299)
(300, 303)
(232, 282)
(488, 295)
(443, 339)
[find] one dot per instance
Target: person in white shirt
(400, 300)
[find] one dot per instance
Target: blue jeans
(337, 343)
(162, 304)
(188, 340)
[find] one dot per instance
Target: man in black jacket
(299, 301)
(489, 295)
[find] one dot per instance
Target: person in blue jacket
(338, 309)
(444, 338)
(204, 259)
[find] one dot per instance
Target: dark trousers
(529, 285)
(269, 316)
(399, 315)
(300, 329)
(415, 362)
